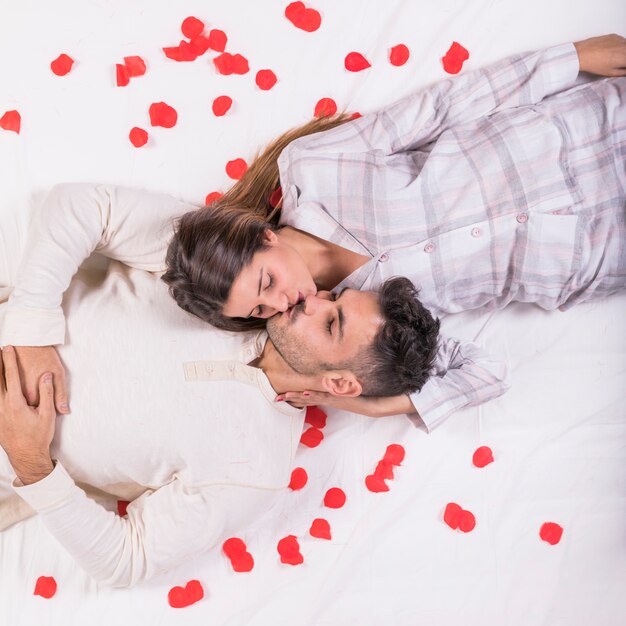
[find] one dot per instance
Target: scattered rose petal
(375, 483)
(452, 515)
(315, 416)
(398, 55)
(122, 505)
(325, 107)
(312, 437)
(192, 27)
(335, 498)
(62, 65)
(136, 66)
(221, 105)
(384, 470)
(234, 546)
(467, 521)
(308, 20)
(228, 64)
(162, 114)
(138, 137)
(212, 197)
(275, 199)
(265, 79)
(242, 562)
(183, 52)
(320, 528)
(122, 77)
(180, 597)
(355, 116)
(454, 58)
(356, 62)
(236, 168)
(217, 40)
(289, 550)
(11, 120)
(394, 454)
(482, 456)
(299, 478)
(551, 532)
(45, 587)
(200, 44)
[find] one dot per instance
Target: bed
(557, 437)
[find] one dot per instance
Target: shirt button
(522, 217)
(383, 257)
(476, 232)
(429, 247)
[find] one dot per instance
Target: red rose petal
(183, 52)
(45, 587)
(228, 64)
(233, 547)
(320, 528)
(243, 562)
(122, 505)
(312, 437)
(138, 137)
(335, 498)
(212, 197)
(356, 62)
(217, 40)
(62, 65)
(394, 454)
(551, 532)
(299, 478)
(236, 168)
(136, 66)
(315, 416)
(122, 77)
(11, 120)
(308, 20)
(375, 483)
(163, 115)
(384, 470)
(200, 44)
(399, 55)
(355, 116)
(221, 105)
(289, 550)
(467, 521)
(452, 515)
(192, 27)
(454, 58)
(180, 597)
(275, 199)
(265, 79)
(325, 107)
(482, 456)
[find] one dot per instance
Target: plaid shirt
(503, 184)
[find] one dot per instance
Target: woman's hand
(604, 56)
(32, 362)
(372, 407)
(25, 433)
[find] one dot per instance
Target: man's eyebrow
(341, 320)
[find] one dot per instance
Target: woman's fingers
(46, 396)
(11, 374)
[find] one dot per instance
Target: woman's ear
(270, 236)
(342, 383)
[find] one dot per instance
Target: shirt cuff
(566, 72)
(33, 327)
(48, 493)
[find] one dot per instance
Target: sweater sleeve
(421, 117)
(164, 527)
(463, 376)
(75, 220)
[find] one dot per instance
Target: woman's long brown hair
(212, 245)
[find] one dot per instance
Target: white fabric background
(559, 435)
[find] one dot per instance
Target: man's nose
(314, 303)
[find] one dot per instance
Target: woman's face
(275, 279)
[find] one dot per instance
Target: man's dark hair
(401, 357)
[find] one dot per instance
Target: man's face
(323, 331)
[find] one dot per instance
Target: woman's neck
(328, 263)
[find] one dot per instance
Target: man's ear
(270, 236)
(342, 383)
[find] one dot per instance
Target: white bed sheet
(558, 436)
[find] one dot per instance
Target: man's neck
(282, 377)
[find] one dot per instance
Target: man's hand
(32, 362)
(604, 56)
(25, 432)
(372, 407)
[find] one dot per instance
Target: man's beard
(290, 349)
